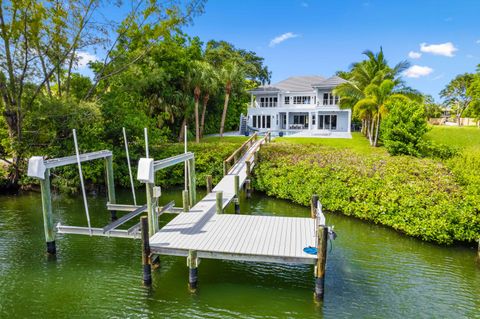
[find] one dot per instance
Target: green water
(372, 272)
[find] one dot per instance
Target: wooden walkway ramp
(236, 237)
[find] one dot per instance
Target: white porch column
(288, 120)
(310, 122)
(349, 128)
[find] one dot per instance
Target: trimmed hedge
(419, 197)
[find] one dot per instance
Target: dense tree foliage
(151, 75)
(404, 127)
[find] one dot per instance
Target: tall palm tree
(231, 74)
(210, 87)
(197, 78)
(366, 84)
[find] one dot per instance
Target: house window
(269, 118)
(301, 99)
(313, 119)
(330, 99)
(254, 121)
(287, 100)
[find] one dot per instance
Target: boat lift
(40, 168)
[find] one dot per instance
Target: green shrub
(403, 129)
(427, 148)
(419, 197)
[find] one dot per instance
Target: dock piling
(248, 188)
(151, 209)
(192, 185)
(219, 198)
(185, 200)
(147, 268)
(322, 236)
(110, 185)
(192, 263)
(209, 183)
(47, 213)
(313, 206)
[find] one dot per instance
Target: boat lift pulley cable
(85, 204)
(129, 166)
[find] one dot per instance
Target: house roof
(301, 84)
(329, 83)
(298, 83)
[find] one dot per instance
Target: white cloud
(281, 38)
(414, 55)
(304, 4)
(84, 57)
(478, 41)
(416, 71)
(445, 49)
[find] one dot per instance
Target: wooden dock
(236, 237)
(201, 229)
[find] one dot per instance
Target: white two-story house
(301, 103)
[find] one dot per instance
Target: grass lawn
(466, 137)
(357, 143)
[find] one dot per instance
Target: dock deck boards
(236, 237)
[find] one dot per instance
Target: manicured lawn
(357, 143)
(467, 137)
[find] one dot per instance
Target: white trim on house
(311, 107)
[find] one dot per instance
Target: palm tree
(197, 78)
(231, 74)
(369, 83)
(210, 87)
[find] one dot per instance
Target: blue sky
(319, 37)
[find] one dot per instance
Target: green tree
(232, 75)
(198, 77)
(432, 109)
(404, 127)
(371, 83)
(456, 96)
(210, 87)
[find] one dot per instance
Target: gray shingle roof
(329, 83)
(298, 83)
(301, 84)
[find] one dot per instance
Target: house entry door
(327, 122)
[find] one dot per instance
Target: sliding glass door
(327, 122)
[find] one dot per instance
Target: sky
(439, 38)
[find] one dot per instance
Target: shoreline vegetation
(427, 198)
(430, 199)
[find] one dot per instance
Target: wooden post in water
(47, 213)
(219, 205)
(185, 199)
(478, 251)
(248, 189)
(322, 237)
(192, 262)
(110, 185)
(147, 268)
(192, 183)
(209, 183)
(236, 187)
(313, 206)
(151, 210)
